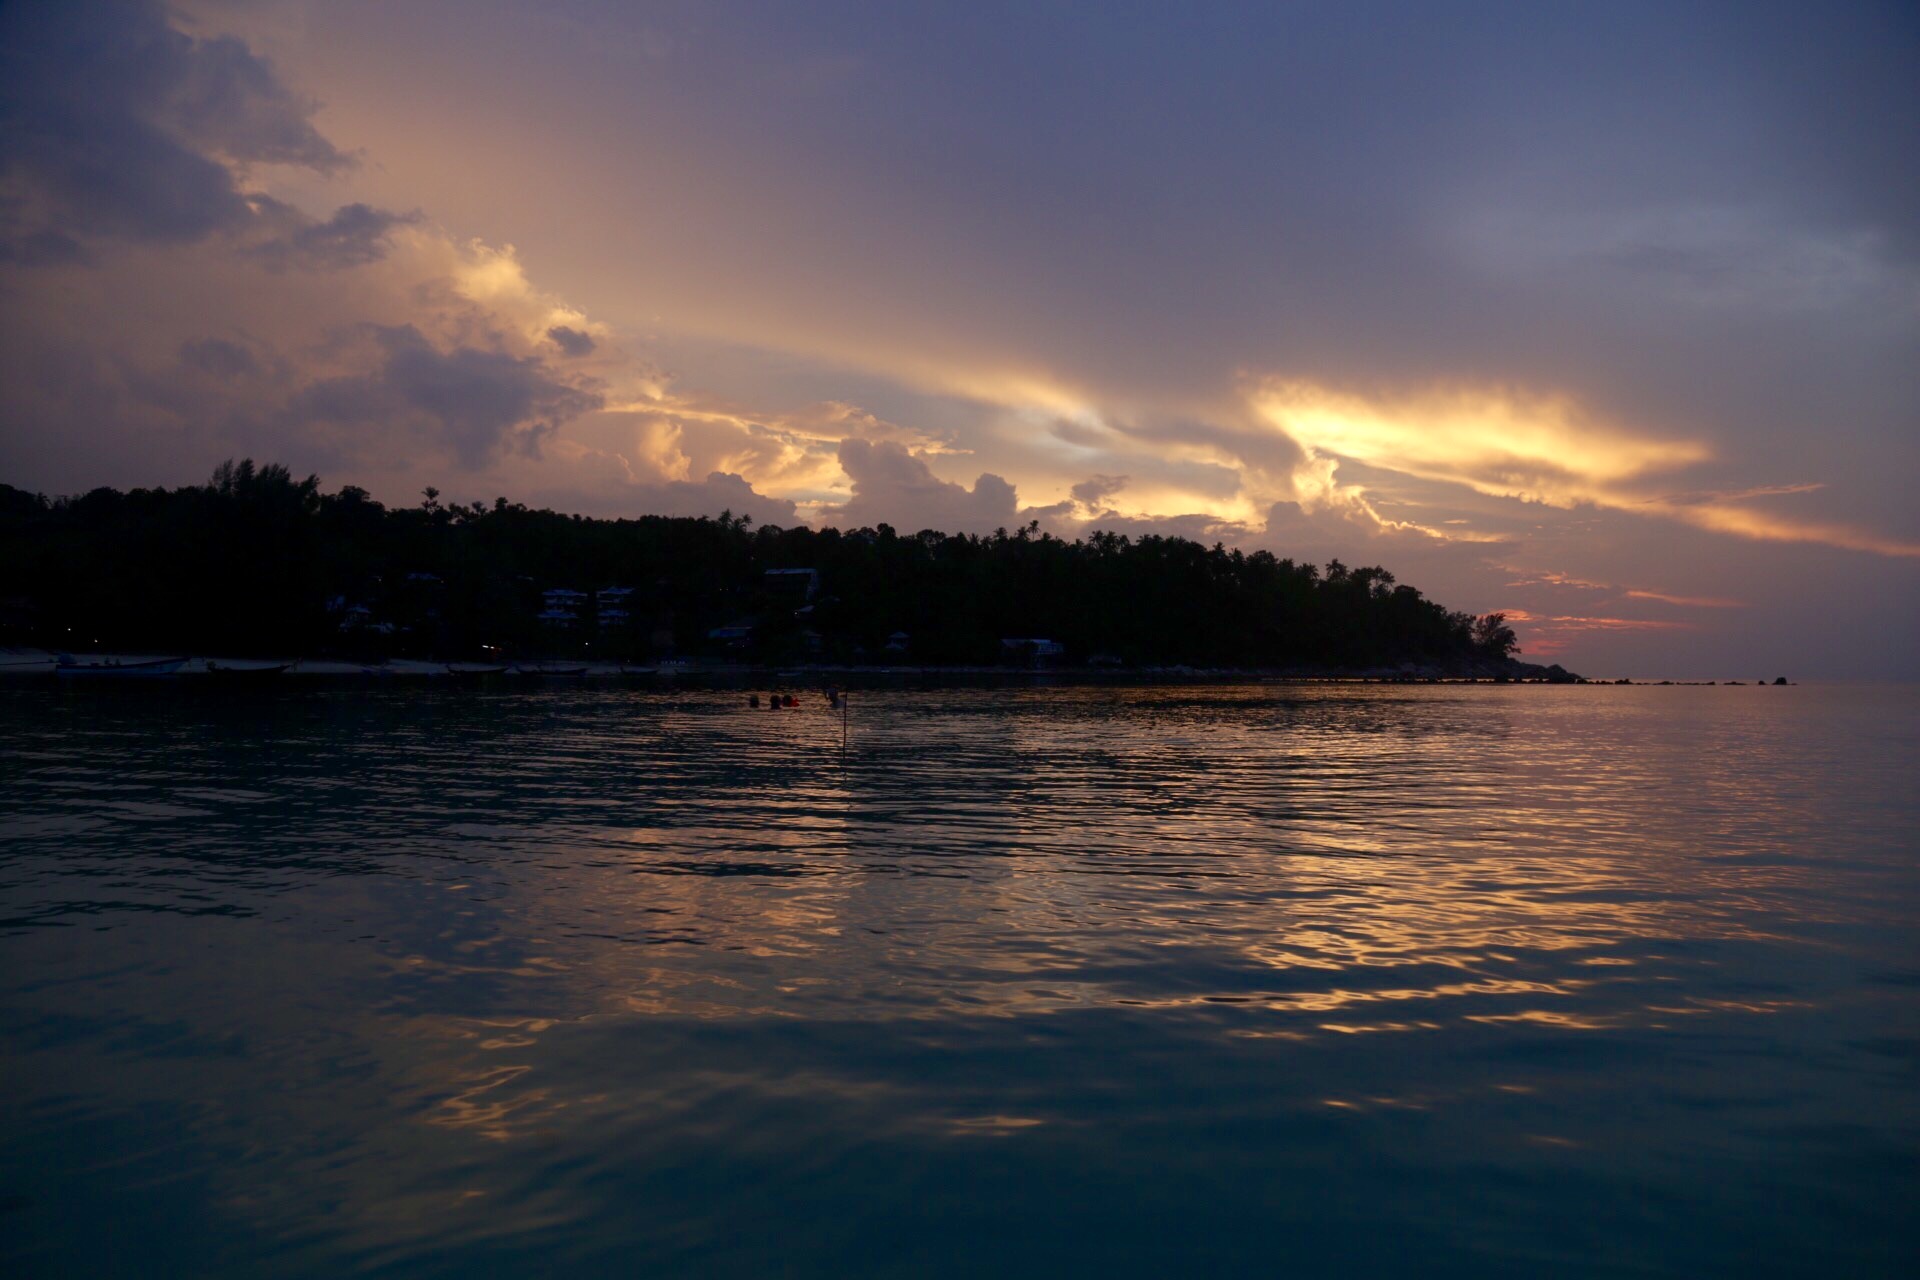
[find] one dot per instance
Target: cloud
(719, 492)
(1094, 491)
(114, 124)
(1577, 621)
(896, 487)
(356, 234)
(1690, 602)
(1710, 289)
(1079, 433)
(1554, 578)
(825, 423)
(474, 402)
(1697, 496)
(1351, 524)
(1764, 526)
(669, 437)
(45, 247)
(684, 432)
(1194, 526)
(1535, 448)
(1230, 470)
(1545, 635)
(218, 358)
(1725, 257)
(571, 341)
(571, 476)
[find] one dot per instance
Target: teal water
(602, 980)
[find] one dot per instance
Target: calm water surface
(1152, 981)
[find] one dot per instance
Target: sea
(628, 978)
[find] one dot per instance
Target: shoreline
(254, 672)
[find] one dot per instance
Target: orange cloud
(1574, 623)
(1543, 636)
(1691, 602)
(1535, 448)
(1764, 526)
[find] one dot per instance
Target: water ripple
(436, 980)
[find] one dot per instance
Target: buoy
(753, 700)
(792, 701)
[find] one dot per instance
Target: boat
(549, 669)
(476, 668)
(114, 669)
(262, 672)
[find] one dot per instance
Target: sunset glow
(967, 639)
(698, 286)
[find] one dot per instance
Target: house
(355, 617)
(562, 607)
(1031, 652)
(612, 606)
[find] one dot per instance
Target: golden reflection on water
(1125, 855)
(1018, 867)
(552, 950)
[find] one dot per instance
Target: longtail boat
(475, 668)
(113, 669)
(230, 672)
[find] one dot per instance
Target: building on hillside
(353, 617)
(1031, 652)
(613, 606)
(563, 608)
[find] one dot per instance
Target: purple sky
(1604, 315)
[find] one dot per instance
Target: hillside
(256, 561)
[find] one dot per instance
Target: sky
(1603, 315)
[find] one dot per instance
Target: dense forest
(256, 561)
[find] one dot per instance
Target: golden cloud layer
(1535, 448)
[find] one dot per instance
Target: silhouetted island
(257, 562)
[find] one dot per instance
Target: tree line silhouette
(256, 561)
